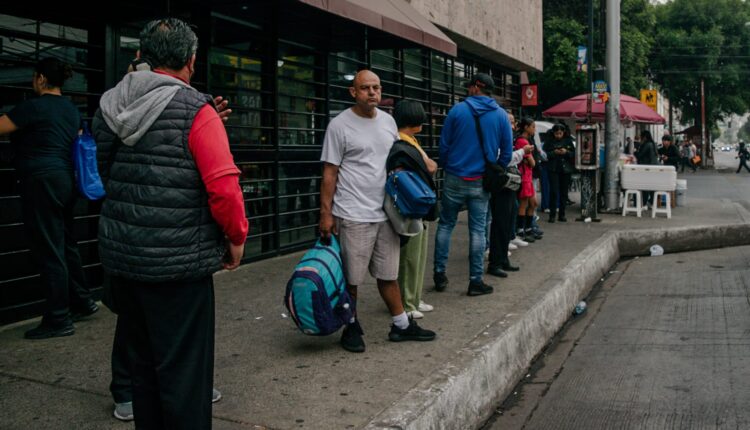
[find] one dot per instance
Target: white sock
(401, 321)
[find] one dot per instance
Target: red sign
(529, 95)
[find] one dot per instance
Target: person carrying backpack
(352, 192)
(42, 132)
(409, 116)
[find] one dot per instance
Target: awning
(391, 16)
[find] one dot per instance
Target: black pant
(170, 341)
(743, 163)
(558, 193)
(501, 205)
(121, 386)
(48, 200)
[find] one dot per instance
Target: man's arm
(327, 189)
(209, 146)
(6, 125)
(446, 137)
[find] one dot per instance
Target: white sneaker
(424, 307)
(512, 246)
(519, 242)
(415, 315)
(509, 254)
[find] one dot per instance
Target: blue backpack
(411, 195)
(84, 162)
(316, 294)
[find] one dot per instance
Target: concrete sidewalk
(272, 376)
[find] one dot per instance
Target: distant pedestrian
(669, 153)
(743, 155)
(527, 194)
(42, 131)
(352, 191)
(561, 154)
(409, 116)
(464, 157)
(647, 154)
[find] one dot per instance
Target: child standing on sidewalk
(410, 116)
(526, 195)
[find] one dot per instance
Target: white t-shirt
(360, 147)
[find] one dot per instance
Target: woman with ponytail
(42, 131)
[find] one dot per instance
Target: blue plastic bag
(84, 163)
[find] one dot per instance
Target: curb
(465, 391)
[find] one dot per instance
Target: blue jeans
(514, 219)
(456, 193)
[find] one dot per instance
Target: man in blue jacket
(462, 156)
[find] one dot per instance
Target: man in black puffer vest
(173, 216)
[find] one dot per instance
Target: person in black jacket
(648, 155)
(561, 156)
(743, 155)
(669, 153)
(42, 131)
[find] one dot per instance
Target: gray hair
(168, 42)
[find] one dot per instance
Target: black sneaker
(351, 338)
(527, 237)
(46, 331)
(413, 332)
(478, 288)
(441, 281)
(90, 308)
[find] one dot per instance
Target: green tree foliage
(707, 39)
(566, 27)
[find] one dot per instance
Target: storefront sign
(529, 95)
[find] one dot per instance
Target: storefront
(285, 66)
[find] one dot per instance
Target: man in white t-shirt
(352, 191)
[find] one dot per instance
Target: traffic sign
(649, 98)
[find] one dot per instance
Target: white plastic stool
(667, 209)
(638, 203)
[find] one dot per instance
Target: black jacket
(673, 155)
(560, 163)
(404, 155)
(647, 154)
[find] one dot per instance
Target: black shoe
(46, 331)
(535, 235)
(510, 268)
(351, 338)
(562, 219)
(551, 219)
(496, 271)
(528, 237)
(90, 308)
(441, 281)
(413, 332)
(478, 288)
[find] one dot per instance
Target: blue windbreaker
(459, 143)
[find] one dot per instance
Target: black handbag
(496, 178)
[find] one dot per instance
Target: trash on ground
(656, 251)
(580, 308)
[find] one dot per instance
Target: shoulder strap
(481, 137)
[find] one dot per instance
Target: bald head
(366, 92)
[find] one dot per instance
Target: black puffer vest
(155, 223)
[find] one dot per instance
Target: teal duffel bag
(316, 295)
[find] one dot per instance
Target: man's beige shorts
(368, 245)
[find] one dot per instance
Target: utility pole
(704, 129)
(612, 147)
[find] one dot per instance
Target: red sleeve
(209, 145)
(520, 143)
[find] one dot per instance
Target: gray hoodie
(132, 107)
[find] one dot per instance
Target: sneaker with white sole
(512, 246)
(519, 242)
(215, 395)
(424, 307)
(415, 315)
(509, 254)
(124, 411)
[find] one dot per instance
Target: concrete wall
(508, 32)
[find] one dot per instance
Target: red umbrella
(631, 109)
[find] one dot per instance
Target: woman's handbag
(496, 178)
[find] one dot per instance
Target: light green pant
(411, 270)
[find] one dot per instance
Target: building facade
(285, 66)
